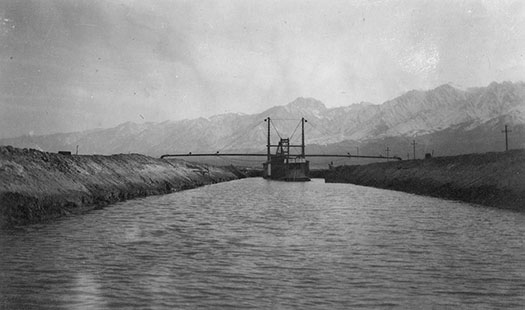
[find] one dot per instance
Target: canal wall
(491, 179)
(35, 185)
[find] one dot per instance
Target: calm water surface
(270, 245)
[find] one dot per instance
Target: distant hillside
(445, 120)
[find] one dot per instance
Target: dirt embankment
(35, 185)
(492, 179)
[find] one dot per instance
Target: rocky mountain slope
(446, 119)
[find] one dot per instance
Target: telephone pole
(506, 131)
(414, 148)
(387, 152)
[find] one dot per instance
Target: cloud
(74, 65)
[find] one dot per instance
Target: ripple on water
(260, 244)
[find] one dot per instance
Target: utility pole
(387, 152)
(357, 147)
(506, 131)
(77, 150)
(414, 146)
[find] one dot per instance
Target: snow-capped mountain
(446, 118)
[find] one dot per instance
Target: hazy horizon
(71, 66)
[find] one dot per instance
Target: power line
(236, 139)
(293, 133)
(277, 131)
(327, 133)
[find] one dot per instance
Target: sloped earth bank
(491, 179)
(36, 186)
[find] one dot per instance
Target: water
(269, 245)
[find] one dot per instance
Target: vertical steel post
(302, 138)
(414, 145)
(268, 145)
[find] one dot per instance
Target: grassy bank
(36, 186)
(492, 179)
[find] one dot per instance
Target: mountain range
(444, 121)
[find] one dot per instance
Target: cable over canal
(281, 164)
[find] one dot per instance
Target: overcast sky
(75, 65)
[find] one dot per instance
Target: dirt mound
(36, 185)
(492, 179)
